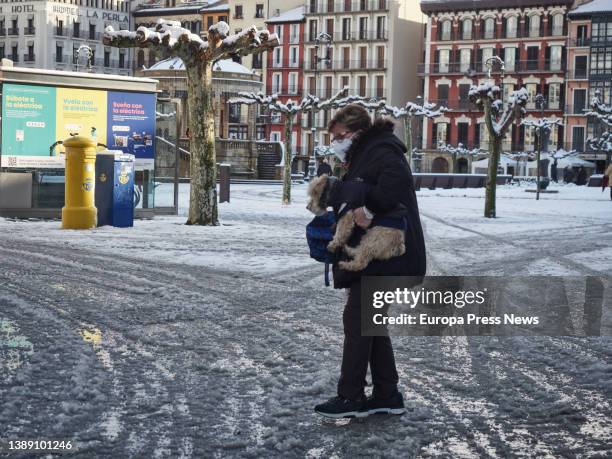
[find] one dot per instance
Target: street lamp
(322, 38)
(539, 100)
(77, 53)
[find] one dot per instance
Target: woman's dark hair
(354, 117)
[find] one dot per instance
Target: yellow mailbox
(79, 211)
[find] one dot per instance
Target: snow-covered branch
(600, 110)
(461, 150)
(168, 39)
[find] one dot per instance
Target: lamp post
(77, 53)
(322, 38)
(539, 100)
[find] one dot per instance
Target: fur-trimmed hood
(380, 133)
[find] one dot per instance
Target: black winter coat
(379, 177)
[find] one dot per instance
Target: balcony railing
(61, 32)
(28, 58)
(13, 31)
(60, 58)
(95, 36)
(578, 74)
(78, 34)
(345, 6)
(581, 41)
(480, 67)
(579, 109)
(2, 32)
(481, 34)
(285, 64)
(29, 30)
(359, 35)
(14, 57)
(349, 65)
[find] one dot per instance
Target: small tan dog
(378, 243)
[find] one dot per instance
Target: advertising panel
(131, 125)
(35, 117)
(28, 126)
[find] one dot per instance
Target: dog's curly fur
(378, 243)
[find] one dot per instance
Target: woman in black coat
(377, 185)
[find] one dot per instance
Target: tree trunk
(287, 160)
(203, 195)
(491, 185)
(408, 135)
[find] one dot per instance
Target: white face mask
(340, 148)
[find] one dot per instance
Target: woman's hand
(361, 219)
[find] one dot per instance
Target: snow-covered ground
(167, 340)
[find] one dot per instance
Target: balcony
(576, 110)
(285, 64)
(78, 34)
(348, 65)
(460, 68)
(14, 57)
(346, 6)
(578, 74)
(579, 42)
(94, 36)
(481, 34)
(13, 31)
(352, 36)
(28, 58)
(3, 32)
(29, 30)
(61, 32)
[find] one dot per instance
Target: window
(259, 10)
(59, 53)
(511, 27)
(532, 90)
(234, 113)
(140, 59)
(578, 138)
(312, 29)
(509, 59)
(487, 53)
(443, 63)
(467, 29)
(346, 28)
(14, 54)
(209, 22)
(329, 27)
(445, 33)
(363, 56)
(380, 86)
(580, 66)
(532, 57)
(465, 57)
(579, 101)
(278, 30)
(344, 81)
(557, 24)
(346, 56)
(442, 93)
(362, 85)
(363, 28)
(257, 61)
(293, 83)
(464, 99)
(462, 133)
(294, 33)
(238, 12)
(294, 56)
(277, 57)
(554, 96)
(121, 60)
(555, 57)
(442, 134)
(92, 31)
(276, 83)
(489, 28)
(534, 26)
(381, 26)
(380, 57)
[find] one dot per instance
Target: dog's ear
(315, 188)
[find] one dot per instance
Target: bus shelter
(41, 108)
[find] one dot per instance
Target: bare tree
(542, 126)
(460, 151)
(290, 110)
(169, 39)
(498, 119)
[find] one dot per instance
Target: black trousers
(359, 351)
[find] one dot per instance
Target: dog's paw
(331, 247)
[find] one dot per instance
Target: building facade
(528, 35)
(373, 50)
(589, 70)
(285, 75)
(49, 34)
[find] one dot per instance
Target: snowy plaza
(167, 340)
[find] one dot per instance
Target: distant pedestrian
(554, 175)
(607, 179)
(581, 178)
(568, 174)
(324, 168)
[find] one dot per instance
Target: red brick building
(285, 70)
(529, 35)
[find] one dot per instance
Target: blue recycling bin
(115, 189)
